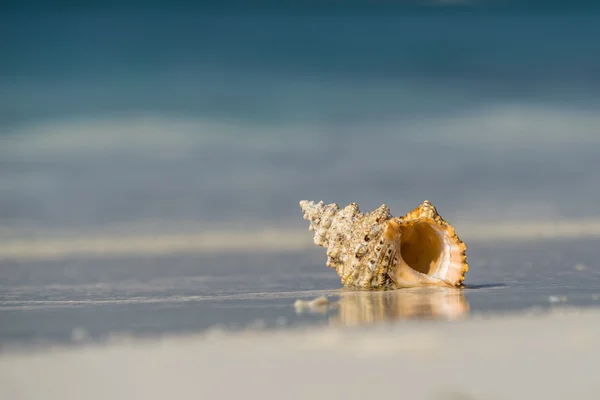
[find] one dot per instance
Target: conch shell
(378, 251)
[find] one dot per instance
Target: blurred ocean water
(111, 117)
(148, 120)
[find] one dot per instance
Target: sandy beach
(524, 356)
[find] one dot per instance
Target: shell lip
(445, 264)
(420, 279)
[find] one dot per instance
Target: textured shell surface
(375, 250)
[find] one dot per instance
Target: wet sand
(49, 300)
(93, 324)
(524, 356)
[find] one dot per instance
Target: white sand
(551, 356)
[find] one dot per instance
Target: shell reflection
(362, 307)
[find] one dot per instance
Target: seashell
(375, 250)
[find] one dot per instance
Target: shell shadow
(486, 286)
(371, 307)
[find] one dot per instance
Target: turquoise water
(108, 117)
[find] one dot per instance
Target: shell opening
(421, 247)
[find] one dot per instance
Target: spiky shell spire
(377, 251)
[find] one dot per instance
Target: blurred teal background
(232, 114)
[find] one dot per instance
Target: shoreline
(272, 239)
